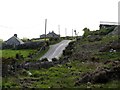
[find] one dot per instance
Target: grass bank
(12, 53)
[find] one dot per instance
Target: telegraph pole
(45, 28)
(72, 32)
(66, 32)
(59, 29)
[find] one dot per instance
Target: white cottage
(14, 40)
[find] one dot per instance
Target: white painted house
(14, 40)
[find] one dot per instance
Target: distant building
(111, 26)
(106, 25)
(42, 36)
(14, 40)
(50, 34)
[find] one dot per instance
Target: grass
(0, 53)
(41, 54)
(56, 77)
(0, 82)
(47, 39)
(12, 53)
(59, 77)
(112, 84)
(108, 55)
(13, 82)
(66, 75)
(109, 38)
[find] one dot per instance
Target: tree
(86, 32)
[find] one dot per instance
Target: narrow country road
(56, 50)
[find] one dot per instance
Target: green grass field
(40, 40)
(12, 53)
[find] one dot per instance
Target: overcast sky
(27, 17)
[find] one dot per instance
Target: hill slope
(85, 64)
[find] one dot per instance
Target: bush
(5, 46)
(67, 52)
(19, 56)
(44, 60)
(9, 66)
(92, 38)
(30, 45)
(54, 59)
(47, 43)
(26, 45)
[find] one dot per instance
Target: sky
(26, 18)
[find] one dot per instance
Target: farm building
(14, 40)
(106, 25)
(42, 36)
(50, 34)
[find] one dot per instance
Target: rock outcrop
(114, 32)
(101, 75)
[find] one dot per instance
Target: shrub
(19, 56)
(67, 52)
(54, 59)
(5, 46)
(30, 45)
(44, 60)
(86, 32)
(9, 66)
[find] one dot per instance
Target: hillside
(92, 61)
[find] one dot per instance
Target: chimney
(15, 35)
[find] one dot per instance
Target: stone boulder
(115, 45)
(92, 38)
(101, 75)
(114, 32)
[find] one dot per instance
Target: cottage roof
(108, 23)
(52, 33)
(19, 40)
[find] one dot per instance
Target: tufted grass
(12, 53)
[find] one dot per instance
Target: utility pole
(59, 29)
(72, 32)
(66, 32)
(45, 28)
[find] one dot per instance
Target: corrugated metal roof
(109, 23)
